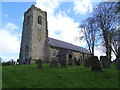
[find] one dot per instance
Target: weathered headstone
(29, 60)
(63, 62)
(36, 61)
(105, 62)
(18, 61)
(117, 63)
(87, 63)
(70, 62)
(39, 62)
(54, 64)
(95, 64)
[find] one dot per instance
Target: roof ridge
(66, 45)
(66, 42)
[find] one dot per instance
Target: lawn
(28, 76)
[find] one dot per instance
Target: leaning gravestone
(105, 62)
(95, 64)
(54, 64)
(117, 63)
(39, 62)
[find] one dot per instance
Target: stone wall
(25, 50)
(53, 51)
(34, 43)
(40, 45)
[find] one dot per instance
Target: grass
(28, 76)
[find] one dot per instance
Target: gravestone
(18, 61)
(87, 63)
(74, 60)
(39, 62)
(117, 63)
(95, 64)
(36, 61)
(70, 62)
(54, 64)
(63, 62)
(29, 60)
(78, 62)
(105, 62)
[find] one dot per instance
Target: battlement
(35, 8)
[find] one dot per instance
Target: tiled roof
(65, 45)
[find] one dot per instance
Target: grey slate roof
(64, 52)
(65, 45)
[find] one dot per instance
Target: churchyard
(75, 76)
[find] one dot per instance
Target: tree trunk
(107, 44)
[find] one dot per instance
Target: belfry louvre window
(40, 20)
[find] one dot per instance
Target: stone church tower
(34, 43)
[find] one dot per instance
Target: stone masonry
(34, 42)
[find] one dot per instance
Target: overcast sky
(64, 19)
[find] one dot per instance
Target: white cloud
(6, 16)
(64, 24)
(82, 6)
(99, 51)
(9, 42)
(48, 5)
(10, 26)
(68, 10)
(5, 59)
(60, 22)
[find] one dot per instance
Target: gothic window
(40, 20)
(54, 53)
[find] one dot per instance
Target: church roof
(65, 45)
(64, 52)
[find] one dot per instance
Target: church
(35, 43)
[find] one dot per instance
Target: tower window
(40, 20)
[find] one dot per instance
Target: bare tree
(116, 34)
(88, 28)
(116, 42)
(106, 23)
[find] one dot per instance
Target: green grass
(28, 76)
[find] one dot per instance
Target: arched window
(54, 53)
(40, 20)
